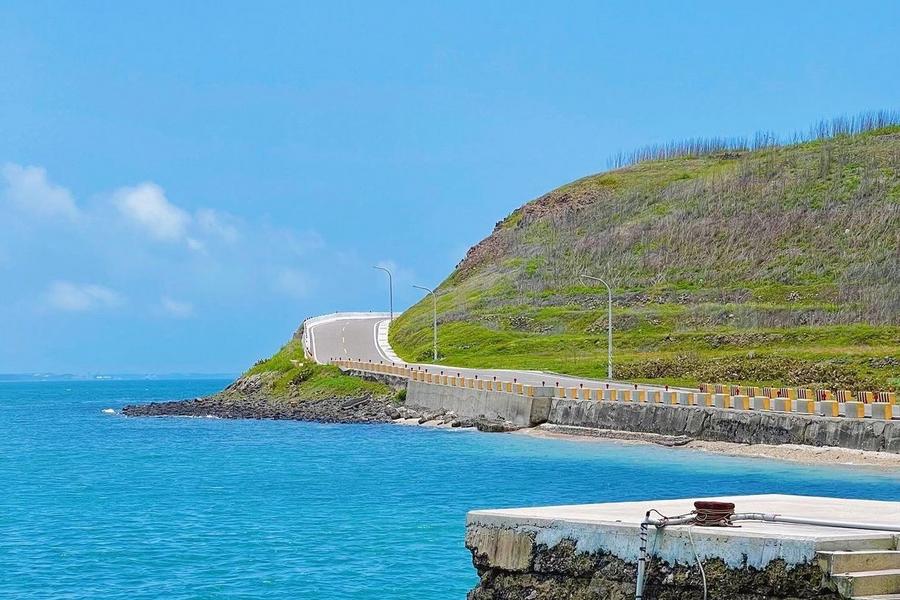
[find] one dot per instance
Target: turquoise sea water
(94, 505)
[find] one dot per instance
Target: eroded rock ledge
(513, 566)
(250, 398)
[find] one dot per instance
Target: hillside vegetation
(289, 375)
(779, 265)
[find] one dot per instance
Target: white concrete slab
(614, 527)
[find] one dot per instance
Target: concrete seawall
(620, 410)
(394, 381)
(705, 423)
(521, 410)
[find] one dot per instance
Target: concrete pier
(586, 548)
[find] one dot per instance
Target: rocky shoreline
(337, 410)
(252, 398)
(249, 398)
(387, 410)
(350, 410)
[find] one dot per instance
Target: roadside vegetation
(290, 374)
(729, 262)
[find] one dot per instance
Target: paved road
(346, 338)
(356, 339)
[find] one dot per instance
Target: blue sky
(181, 185)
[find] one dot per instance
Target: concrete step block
(803, 406)
(828, 408)
(542, 391)
(883, 410)
(868, 583)
(761, 403)
(740, 402)
(781, 404)
(703, 399)
(860, 560)
(686, 399)
(854, 410)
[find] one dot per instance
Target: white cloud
(146, 206)
(30, 190)
(293, 282)
(195, 245)
(300, 244)
(144, 244)
(79, 297)
(398, 273)
(175, 308)
(218, 224)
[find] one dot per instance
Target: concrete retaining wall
(396, 382)
(739, 426)
(469, 402)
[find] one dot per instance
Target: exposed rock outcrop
(532, 571)
(251, 398)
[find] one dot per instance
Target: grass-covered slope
(774, 266)
(289, 374)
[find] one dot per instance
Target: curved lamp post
(609, 361)
(390, 287)
(433, 315)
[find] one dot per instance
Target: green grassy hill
(289, 374)
(772, 266)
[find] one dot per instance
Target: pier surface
(614, 528)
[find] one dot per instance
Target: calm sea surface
(94, 505)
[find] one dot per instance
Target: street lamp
(433, 314)
(390, 287)
(609, 373)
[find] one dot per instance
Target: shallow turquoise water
(102, 506)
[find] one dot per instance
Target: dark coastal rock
(494, 425)
(249, 398)
(561, 572)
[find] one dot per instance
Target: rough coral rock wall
(730, 425)
(514, 567)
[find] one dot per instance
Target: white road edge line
(381, 341)
(375, 333)
(310, 323)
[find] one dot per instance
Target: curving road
(346, 338)
(355, 336)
